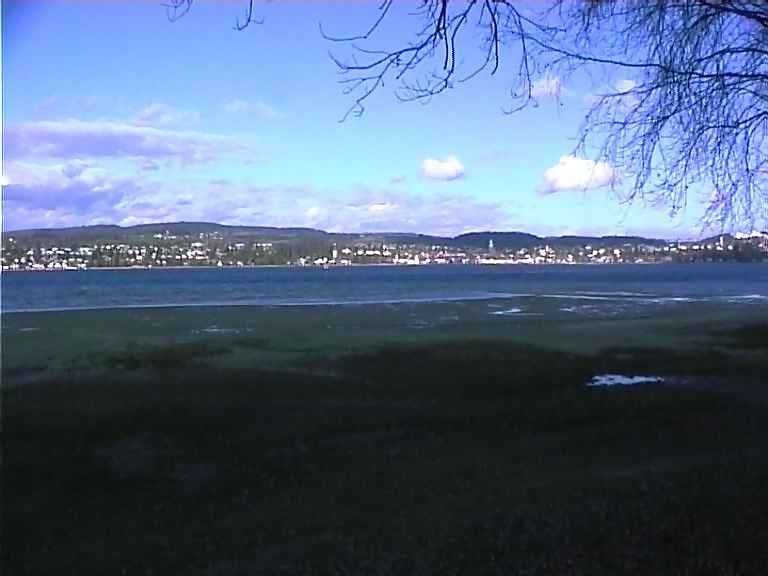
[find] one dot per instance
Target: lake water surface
(570, 285)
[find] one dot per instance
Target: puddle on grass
(419, 324)
(507, 312)
(214, 329)
(622, 380)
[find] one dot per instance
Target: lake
(572, 286)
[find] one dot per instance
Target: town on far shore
(215, 245)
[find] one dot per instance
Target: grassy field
(410, 439)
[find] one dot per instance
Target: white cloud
(314, 215)
(626, 98)
(158, 114)
(363, 210)
(449, 168)
(371, 210)
(574, 173)
(547, 86)
(256, 108)
(380, 207)
(66, 192)
(63, 194)
(625, 85)
(70, 139)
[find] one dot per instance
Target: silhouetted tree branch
(176, 9)
(693, 108)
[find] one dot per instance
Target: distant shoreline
(371, 265)
(387, 265)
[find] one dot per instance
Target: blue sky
(112, 114)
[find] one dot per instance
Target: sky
(112, 114)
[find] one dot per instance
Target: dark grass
(666, 362)
(163, 358)
(752, 336)
(168, 357)
(469, 457)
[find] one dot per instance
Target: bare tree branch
(175, 9)
(384, 10)
(249, 19)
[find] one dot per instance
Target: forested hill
(112, 231)
(501, 240)
(516, 240)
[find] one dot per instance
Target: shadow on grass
(468, 457)
(173, 356)
(476, 368)
(161, 358)
(750, 337)
(664, 361)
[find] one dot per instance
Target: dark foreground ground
(466, 455)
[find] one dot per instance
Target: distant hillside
(518, 240)
(172, 228)
(511, 240)
(478, 240)
(602, 241)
